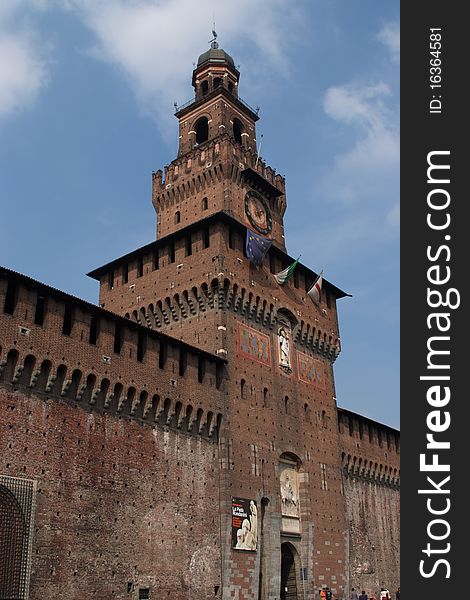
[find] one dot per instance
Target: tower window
(189, 244)
(177, 217)
(230, 86)
(141, 346)
(140, 266)
(68, 320)
(201, 369)
(182, 362)
(272, 263)
(117, 338)
(156, 260)
(204, 204)
(40, 310)
(202, 130)
(125, 273)
(237, 130)
(296, 278)
(206, 237)
(111, 279)
(217, 82)
(10, 298)
(162, 355)
(204, 87)
(171, 253)
(93, 330)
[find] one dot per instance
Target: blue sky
(86, 114)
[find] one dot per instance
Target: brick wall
(371, 472)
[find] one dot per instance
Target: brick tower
(281, 509)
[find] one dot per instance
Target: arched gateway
(288, 573)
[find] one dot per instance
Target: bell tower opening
(237, 130)
(202, 130)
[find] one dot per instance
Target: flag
(315, 291)
(256, 247)
(283, 276)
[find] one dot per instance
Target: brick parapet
(168, 383)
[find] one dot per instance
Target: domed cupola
(215, 69)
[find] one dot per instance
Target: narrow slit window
(93, 330)
(140, 266)
(141, 346)
(201, 369)
(117, 338)
(40, 309)
(68, 320)
(189, 244)
(156, 260)
(162, 355)
(182, 362)
(10, 298)
(206, 239)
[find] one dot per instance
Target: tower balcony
(196, 102)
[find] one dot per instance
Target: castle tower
(282, 510)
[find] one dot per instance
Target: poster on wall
(244, 524)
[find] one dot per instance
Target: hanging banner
(244, 524)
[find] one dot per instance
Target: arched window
(204, 87)
(265, 397)
(217, 82)
(237, 130)
(202, 130)
(230, 86)
(243, 388)
(177, 217)
(204, 204)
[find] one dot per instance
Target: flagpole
(259, 149)
(316, 279)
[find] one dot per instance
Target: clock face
(258, 212)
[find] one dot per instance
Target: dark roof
(214, 218)
(216, 56)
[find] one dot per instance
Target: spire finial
(213, 41)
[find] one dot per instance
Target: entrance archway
(288, 578)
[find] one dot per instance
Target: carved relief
(289, 492)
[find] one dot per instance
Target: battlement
(209, 152)
(214, 176)
(59, 345)
(371, 450)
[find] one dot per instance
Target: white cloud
(366, 171)
(389, 35)
(155, 43)
(23, 69)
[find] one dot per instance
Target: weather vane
(213, 41)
